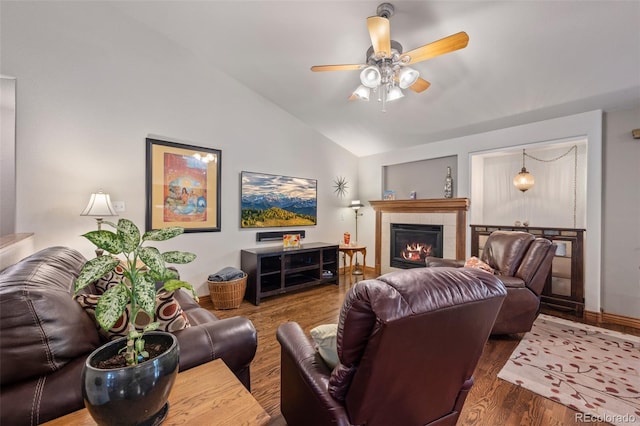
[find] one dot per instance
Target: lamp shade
(524, 180)
(361, 93)
(371, 77)
(356, 204)
(407, 77)
(99, 205)
(394, 93)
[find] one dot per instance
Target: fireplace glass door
(412, 243)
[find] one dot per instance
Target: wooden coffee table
(207, 394)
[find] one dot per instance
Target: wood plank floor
(491, 401)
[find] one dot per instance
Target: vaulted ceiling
(525, 61)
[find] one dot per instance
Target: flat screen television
(269, 201)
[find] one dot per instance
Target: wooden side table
(352, 251)
(206, 394)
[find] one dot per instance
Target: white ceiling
(526, 60)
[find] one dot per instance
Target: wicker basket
(227, 294)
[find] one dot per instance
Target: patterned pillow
(109, 279)
(474, 262)
(168, 313)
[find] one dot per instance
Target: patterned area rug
(589, 369)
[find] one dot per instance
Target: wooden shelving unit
(275, 270)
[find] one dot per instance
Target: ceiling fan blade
(448, 44)
(380, 34)
(420, 85)
(350, 67)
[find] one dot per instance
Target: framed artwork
(183, 186)
(276, 201)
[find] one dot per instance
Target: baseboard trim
(604, 317)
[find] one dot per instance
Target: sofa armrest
(232, 339)
(305, 397)
(433, 262)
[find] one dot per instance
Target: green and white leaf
(169, 274)
(178, 257)
(145, 293)
(129, 234)
(152, 258)
(162, 234)
(151, 326)
(173, 285)
(106, 240)
(94, 269)
(111, 306)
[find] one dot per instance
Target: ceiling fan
(386, 70)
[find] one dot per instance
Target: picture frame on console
(182, 186)
(277, 201)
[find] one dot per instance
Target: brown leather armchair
(522, 262)
(408, 343)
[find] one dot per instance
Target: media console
(276, 270)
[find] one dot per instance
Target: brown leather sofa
(408, 343)
(45, 337)
(522, 262)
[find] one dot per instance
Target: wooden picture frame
(182, 186)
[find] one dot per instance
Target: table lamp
(101, 207)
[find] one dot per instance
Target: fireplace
(412, 243)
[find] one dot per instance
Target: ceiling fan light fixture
(394, 93)
(361, 93)
(407, 77)
(371, 77)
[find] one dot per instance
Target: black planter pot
(134, 395)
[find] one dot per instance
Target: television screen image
(277, 201)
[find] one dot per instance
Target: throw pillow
(109, 279)
(169, 314)
(325, 337)
(474, 262)
(168, 311)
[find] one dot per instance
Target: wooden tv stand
(276, 270)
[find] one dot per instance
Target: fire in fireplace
(412, 243)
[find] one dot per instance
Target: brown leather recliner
(408, 343)
(45, 338)
(522, 262)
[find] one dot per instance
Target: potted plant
(138, 388)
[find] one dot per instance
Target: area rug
(589, 369)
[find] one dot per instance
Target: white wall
(558, 198)
(7, 155)
(84, 111)
(586, 126)
(621, 220)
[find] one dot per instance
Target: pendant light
(523, 180)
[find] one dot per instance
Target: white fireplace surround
(451, 213)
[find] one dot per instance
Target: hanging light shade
(524, 180)
(371, 77)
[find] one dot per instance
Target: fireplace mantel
(459, 206)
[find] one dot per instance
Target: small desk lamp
(355, 205)
(100, 206)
